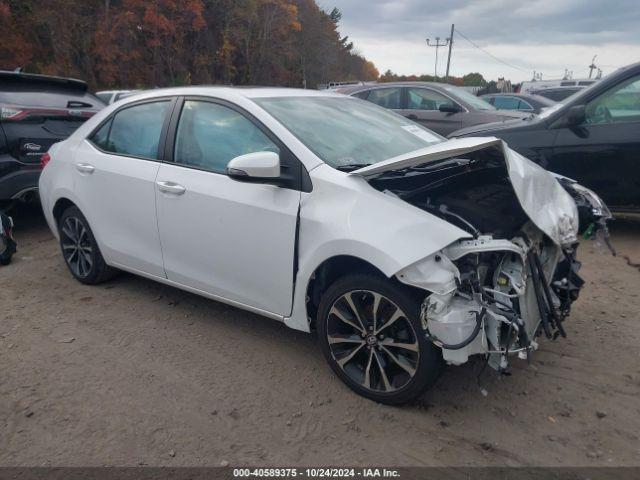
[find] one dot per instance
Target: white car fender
(361, 222)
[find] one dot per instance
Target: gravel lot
(136, 373)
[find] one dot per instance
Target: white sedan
(401, 249)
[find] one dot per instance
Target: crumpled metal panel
(540, 194)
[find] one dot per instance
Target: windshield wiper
(350, 167)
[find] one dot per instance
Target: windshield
(476, 102)
(348, 131)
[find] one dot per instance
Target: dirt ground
(136, 373)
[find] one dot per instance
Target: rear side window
(386, 97)
(133, 131)
(507, 103)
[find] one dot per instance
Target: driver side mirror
(257, 165)
(576, 115)
(449, 108)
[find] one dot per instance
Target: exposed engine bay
(515, 277)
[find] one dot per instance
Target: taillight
(9, 113)
(13, 113)
(44, 159)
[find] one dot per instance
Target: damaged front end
(516, 275)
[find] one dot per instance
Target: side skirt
(202, 293)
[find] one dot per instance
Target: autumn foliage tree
(153, 43)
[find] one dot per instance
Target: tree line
(473, 79)
(157, 43)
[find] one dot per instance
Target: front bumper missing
(507, 292)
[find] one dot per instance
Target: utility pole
(437, 45)
(450, 47)
(592, 67)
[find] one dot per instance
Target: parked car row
(522, 102)
(439, 107)
(592, 136)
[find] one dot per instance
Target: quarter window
(386, 97)
(133, 131)
(425, 99)
(210, 135)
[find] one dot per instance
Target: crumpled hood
(540, 195)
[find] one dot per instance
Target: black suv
(592, 137)
(36, 111)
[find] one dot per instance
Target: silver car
(439, 107)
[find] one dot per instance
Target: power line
(490, 54)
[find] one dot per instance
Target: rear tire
(370, 333)
(7, 243)
(6, 252)
(80, 249)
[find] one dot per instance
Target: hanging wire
(528, 70)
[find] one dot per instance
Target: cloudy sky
(543, 35)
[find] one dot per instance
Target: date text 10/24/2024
(315, 472)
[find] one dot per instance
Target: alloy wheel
(76, 246)
(372, 341)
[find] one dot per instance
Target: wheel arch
(60, 206)
(334, 268)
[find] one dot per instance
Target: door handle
(412, 117)
(85, 168)
(170, 187)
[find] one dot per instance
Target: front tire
(80, 249)
(370, 333)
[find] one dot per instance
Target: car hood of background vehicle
(541, 196)
(492, 127)
(509, 114)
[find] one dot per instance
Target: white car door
(232, 239)
(115, 173)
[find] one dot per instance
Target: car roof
(235, 92)
(369, 86)
(566, 87)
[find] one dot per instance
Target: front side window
(386, 97)
(618, 105)
(210, 135)
(134, 131)
(425, 99)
